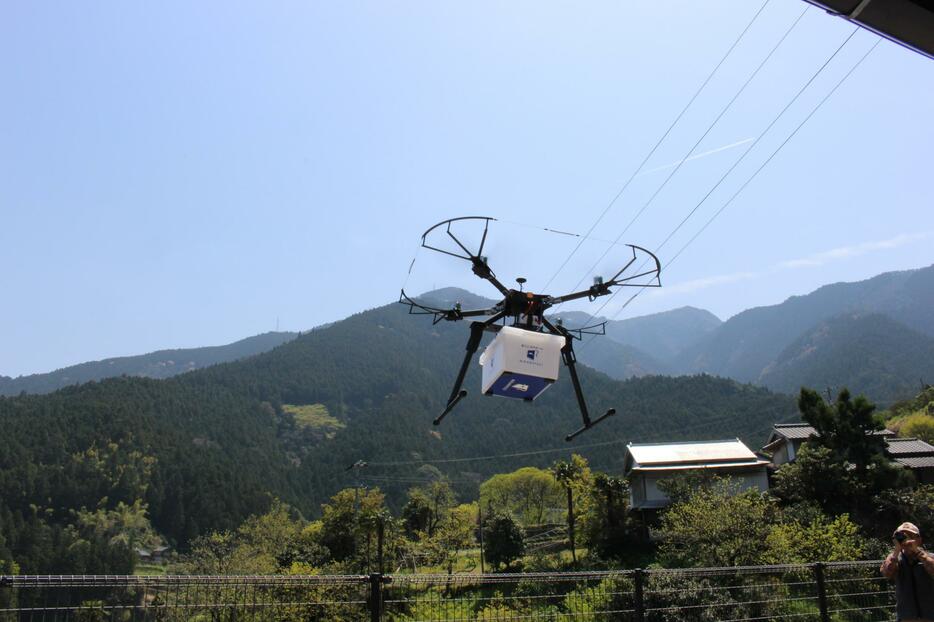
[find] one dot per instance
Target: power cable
(743, 156)
(643, 438)
(790, 136)
(657, 144)
(697, 143)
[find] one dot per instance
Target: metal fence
(836, 592)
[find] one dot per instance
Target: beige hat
(909, 528)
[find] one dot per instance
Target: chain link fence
(836, 592)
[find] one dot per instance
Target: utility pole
(356, 467)
(480, 521)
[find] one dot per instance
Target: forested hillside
(161, 364)
(746, 344)
(870, 354)
(205, 449)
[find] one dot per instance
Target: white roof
(703, 453)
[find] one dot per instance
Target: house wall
(645, 491)
(782, 454)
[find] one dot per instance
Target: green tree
(344, 521)
(452, 535)
(919, 425)
(846, 427)
(606, 528)
(126, 524)
(821, 540)
(264, 544)
(427, 506)
(717, 526)
(504, 540)
(898, 505)
(816, 476)
(847, 465)
(572, 475)
(528, 493)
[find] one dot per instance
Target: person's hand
(911, 548)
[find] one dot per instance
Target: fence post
(376, 597)
(821, 591)
(639, 579)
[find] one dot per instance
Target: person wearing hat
(912, 569)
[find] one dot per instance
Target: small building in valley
(647, 464)
(914, 454)
(786, 439)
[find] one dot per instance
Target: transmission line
(790, 136)
(651, 436)
(651, 152)
(743, 156)
(697, 143)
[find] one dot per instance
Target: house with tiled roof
(786, 439)
(646, 464)
(914, 454)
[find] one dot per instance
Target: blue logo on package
(519, 386)
(530, 354)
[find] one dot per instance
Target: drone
(523, 359)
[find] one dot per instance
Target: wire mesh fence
(171, 598)
(851, 591)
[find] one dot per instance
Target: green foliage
(823, 539)
(870, 353)
(504, 540)
(674, 596)
(923, 402)
(530, 494)
(845, 467)
(315, 417)
(914, 417)
(125, 524)
(427, 507)
(683, 486)
(204, 450)
(816, 476)
(845, 428)
(897, 505)
(919, 425)
(716, 526)
(274, 542)
(606, 527)
(576, 478)
(454, 533)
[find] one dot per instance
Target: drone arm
(453, 314)
(570, 361)
(457, 393)
(481, 269)
(602, 288)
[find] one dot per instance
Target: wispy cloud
(704, 283)
(845, 252)
(696, 156)
(810, 261)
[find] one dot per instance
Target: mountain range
(161, 364)
(874, 337)
(807, 340)
(206, 448)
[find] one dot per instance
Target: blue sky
(181, 174)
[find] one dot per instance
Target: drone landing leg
(567, 353)
(457, 394)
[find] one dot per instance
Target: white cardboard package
(520, 363)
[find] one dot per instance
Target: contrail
(696, 156)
